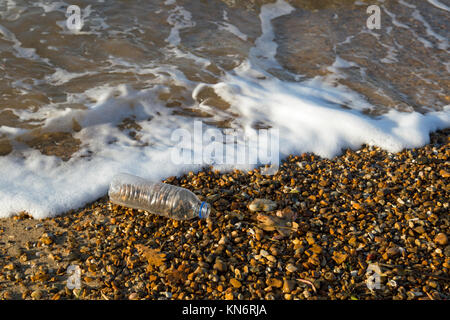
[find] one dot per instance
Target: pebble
(393, 251)
(329, 276)
(339, 257)
(9, 266)
(262, 205)
(291, 268)
(288, 286)
(36, 295)
(316, 249)
(133, 296)
(47, 238)
(259, 234)
(229, 296)
(441, 239)
(220, 266)
(419, 229)
(274, 282)
(235, 283)
(447, 251)
(223, 240)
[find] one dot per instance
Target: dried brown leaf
(153, 256)
(179, 274)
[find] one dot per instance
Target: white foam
(439, 5)
(12, 11)
(51, 6)
(395, 22)
(406, 4)
(232, 29)
(179, 18)
(443, 42)
(19, 50)
(265, 47)
(308, 123)
(61, 76)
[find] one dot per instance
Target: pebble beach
(314, 230)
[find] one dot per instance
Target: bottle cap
(204, 210)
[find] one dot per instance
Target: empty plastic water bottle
(156, 197)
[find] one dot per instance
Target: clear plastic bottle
(156, 197)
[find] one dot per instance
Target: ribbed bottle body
(156, 197)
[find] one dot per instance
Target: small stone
(353, 242)
(310, 240)
(264, 253)
(220, 266)
(133, 296)
(259, 234)
(291, 268)
(76, 293)
(447, 251)
(339, 257)
(221, 203)
(392, 251)
(329, 276)
(274, 282)
(229, 296)
(73, 255)
(441, 238)
(314, 260)
(36, 295)
(223, 240)
(47, 238)
(316, 249)
(9, 266)
(274, 251)
(269, 296)
(235, 283)
(444, 173)
(262, 205)
(7, 295)
(419, 229)
(288, 286)
(234, 205)
(356, 205)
